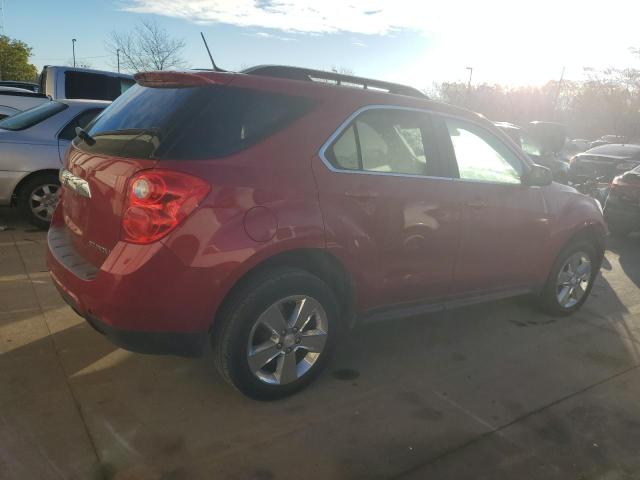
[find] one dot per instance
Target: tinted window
(95, 86)
(33, 116)
(81, 120)
(190, 123)
(481, 156)
(384, 140)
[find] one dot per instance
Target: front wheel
(571, 279)
(276, 333)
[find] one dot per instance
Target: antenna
(213, 64)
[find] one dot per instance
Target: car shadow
(168, 417)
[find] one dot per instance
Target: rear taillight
(157, 201)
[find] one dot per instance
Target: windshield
(33, 116)
(189, 123)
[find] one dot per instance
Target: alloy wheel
(573, 280)
(287, 339)
(43, 201)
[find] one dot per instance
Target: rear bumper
(625, 213)
(142, 297)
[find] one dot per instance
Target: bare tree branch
(147, 47)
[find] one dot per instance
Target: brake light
(157, 202)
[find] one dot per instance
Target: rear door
(504, 222)
(388, 210)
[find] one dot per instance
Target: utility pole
(2, 11)
(469, 85)
(118, 56)
(73, 48)
(555, 103)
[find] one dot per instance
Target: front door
(504, 222)
(388, 212)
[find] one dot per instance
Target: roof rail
(308, 74)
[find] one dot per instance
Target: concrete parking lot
(497, 391)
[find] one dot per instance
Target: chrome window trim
(346, 123)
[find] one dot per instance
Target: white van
(62, 83)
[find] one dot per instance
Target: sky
(526, 42)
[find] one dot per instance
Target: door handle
(361, 195)
(476, 204)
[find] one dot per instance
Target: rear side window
(190, 123)
(385, 141)
(95, 86)
(81, 120)
(33, 116)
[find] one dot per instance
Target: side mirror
(538, 176)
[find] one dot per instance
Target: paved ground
(490, 392)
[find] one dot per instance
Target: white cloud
(507, 37)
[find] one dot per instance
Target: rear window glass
(33, 116)
(95, 86)
(190, 123)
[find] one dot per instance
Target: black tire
(24, 198)
(548, 300)
(234, 323)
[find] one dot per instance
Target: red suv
(265, 210)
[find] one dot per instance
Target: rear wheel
(38, 198)
(276, 333)
(571, 279)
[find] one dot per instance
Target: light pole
(118, 57)
(73, 48)
(470, 76)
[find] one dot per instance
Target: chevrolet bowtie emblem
(77, 184)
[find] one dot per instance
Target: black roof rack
(309, 74)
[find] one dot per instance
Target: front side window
(33, 116)
(481, 156)
(385, 141)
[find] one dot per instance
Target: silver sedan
(32, 147)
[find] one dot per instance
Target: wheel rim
(43, 201)
(287, 339)
(573, 280)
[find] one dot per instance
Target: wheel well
(317, 262)
(592, 234)
(16, 191)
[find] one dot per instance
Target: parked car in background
(32, 145)
(604, 161)
(607, 139)
(32, 87)
(577, 145)
(268, 210)
(14, 100)
(535, 148)
(622, 209)
(59, 82)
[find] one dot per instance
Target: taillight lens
(157, 202)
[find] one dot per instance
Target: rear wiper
(88, 139)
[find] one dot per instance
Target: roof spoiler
(171, 79)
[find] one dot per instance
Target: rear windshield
(33, 116)
(189, 123)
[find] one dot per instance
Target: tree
(147, 47)
(14, 60)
